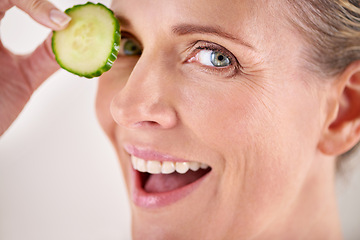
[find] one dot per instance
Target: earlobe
(342, 131)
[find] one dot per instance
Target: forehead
(261, 23)
(235, 14)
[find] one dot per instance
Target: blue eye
(129, 47)
(213, 58)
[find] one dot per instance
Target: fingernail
(59, 18)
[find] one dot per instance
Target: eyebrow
(185, 29)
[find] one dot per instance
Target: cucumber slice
(90, 44)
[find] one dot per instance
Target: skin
(260, 129)
(270, 129)
(20, 76)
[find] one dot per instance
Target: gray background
(59, 176)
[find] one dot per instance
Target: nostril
(147, 124)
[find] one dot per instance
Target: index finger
(44, 13)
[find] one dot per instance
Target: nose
(146, 100)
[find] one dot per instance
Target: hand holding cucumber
(87, 46)
(21, 75)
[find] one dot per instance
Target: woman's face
(218, 83)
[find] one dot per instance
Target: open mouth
(168, 176)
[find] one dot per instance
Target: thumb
(39, 65)
(43, 12)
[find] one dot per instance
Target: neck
(314, 213)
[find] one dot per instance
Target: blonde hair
(332, 33)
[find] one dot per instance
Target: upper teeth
(165, 167)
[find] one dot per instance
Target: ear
(342, 130)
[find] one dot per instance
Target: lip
(149, 154)
(143, 199)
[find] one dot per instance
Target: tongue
(158, 183)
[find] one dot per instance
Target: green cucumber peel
(89, 46)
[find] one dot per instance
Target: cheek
(266, 138)
(110, 83)
(268, 122)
